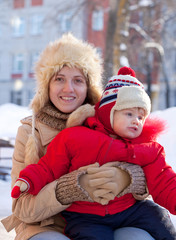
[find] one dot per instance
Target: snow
(123, 47)
(124, 61)
(10, 120)
(11, 115)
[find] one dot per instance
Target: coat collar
(46, 133)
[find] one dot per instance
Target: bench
(4, 172)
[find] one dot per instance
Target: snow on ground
(10, 120)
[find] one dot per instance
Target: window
(97, 20)
(65, 21)
(175, 61)
(18, 25)
(99, 51)
(36, 2)
(141, 19)
(34, 58)
(0, 65)
(16, 97)
(36, 24)
(18, 3)
(18, 62)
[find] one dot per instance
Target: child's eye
(129, 114)
(140, 118)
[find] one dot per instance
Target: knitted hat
(66, 51)
(121, 92)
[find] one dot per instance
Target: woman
(68, 75)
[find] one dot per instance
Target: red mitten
(21, 186)
(15, 192)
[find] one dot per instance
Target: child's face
(128, 123)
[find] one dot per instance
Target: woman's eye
(59, 79)
(79, 80)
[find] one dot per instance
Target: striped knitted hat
(122, 91)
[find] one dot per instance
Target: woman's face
(68, 89)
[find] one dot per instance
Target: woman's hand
(105, 182)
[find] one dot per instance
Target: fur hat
(121, 92)
(72, 52)
(66, 51)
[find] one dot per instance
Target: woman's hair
(72, 52)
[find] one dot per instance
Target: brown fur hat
(66, 51)
(72, 52)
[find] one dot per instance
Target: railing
(6, 150)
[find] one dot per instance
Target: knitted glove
(98, 185)
(69, 190)
(20, 186)
(137, 185)
(108, 181)
(79, 186)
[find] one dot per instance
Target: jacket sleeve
(50, 167)
(161, 181)
(30, 208)
(127, 157)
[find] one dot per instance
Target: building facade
(26, 27)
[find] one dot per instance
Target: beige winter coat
(44, 208)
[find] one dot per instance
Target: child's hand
(18, 188)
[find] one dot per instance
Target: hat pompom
(126, 71)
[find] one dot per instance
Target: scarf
(52, 117)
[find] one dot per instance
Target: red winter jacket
(79, 146)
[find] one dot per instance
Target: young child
(115, 133)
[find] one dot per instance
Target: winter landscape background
(10, 120)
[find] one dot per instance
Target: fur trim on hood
(78, 117)
(152, 129)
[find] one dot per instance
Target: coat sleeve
(54, 164)
(161, 181)
(30, 208)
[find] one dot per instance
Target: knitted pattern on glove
(69, 190)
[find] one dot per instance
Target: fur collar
(152, 129)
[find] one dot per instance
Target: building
(26, 27)
(97, 20)
(148, 45)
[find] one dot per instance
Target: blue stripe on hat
(115, 85)
(108, 99)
